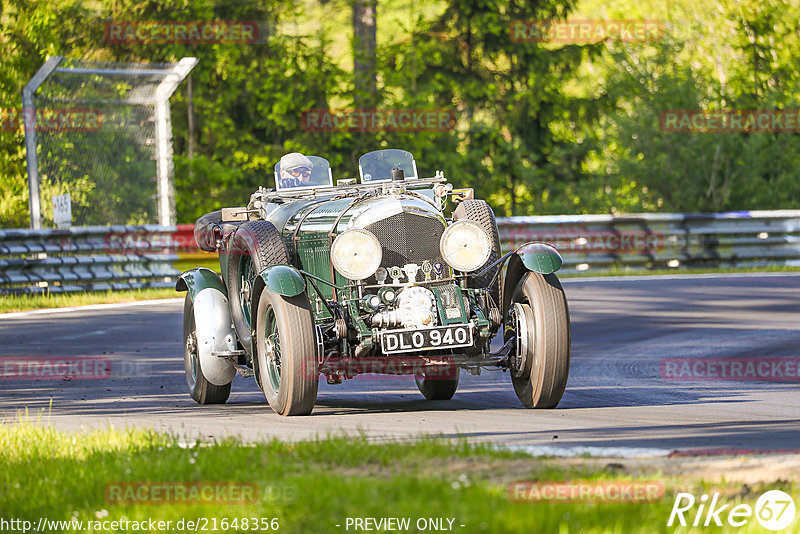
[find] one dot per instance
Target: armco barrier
(663, 240)
(124, 257)
(183, 239)
(86, 258)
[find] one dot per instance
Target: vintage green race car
(369, 276)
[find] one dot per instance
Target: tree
(364, 42)
(521, 136)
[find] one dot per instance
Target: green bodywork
(308, 227)
(283, 280)
(310, 246)
(540, 258)
(442, 297)
(196, 280)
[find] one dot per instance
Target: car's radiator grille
(408, 238)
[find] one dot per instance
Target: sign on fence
(62, 211)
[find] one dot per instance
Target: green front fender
(196, 280)
(283, 280)
(536, 257)
(539, 258)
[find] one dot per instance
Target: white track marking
(574, 451)
(638, 278)
(90, 307)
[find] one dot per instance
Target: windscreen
(320, 175)
(377, 166)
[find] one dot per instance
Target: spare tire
(204, 228)
(254, 246)
(479, 211)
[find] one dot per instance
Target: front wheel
(200, 389)
(286, 352)
(539, 320)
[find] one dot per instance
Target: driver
(295, 170)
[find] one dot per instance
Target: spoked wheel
(201, 390)
(440, 385)
(247, 278)
(286, 352)
(272, 351)
(539, 319)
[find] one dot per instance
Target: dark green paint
(196, 280)
(283, 280)
(540, 258)
(440, 307)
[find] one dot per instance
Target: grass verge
(310, 486)
(200, 259)
(618, 271)
(16, 303)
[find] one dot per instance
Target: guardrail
(183, 239)
(126, 257)
(662, 240)
(87, 258)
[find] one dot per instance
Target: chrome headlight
(465, 246)
(356, 254)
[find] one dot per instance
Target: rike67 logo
(774, 510)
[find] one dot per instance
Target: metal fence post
(164, 167)
(29, 122)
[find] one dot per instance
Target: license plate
(416, 339)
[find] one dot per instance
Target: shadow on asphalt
(119, 399)
(783, 435)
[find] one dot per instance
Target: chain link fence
(101, 132)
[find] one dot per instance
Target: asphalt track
(616, 401)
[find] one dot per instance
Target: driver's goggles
(300, 172)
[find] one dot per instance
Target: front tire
(200, 389)
(539, 312)
(286, 352)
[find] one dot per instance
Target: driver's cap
(295, 160)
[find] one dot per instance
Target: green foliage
(706, 171)
(313, 486)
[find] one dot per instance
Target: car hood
(320, 215)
